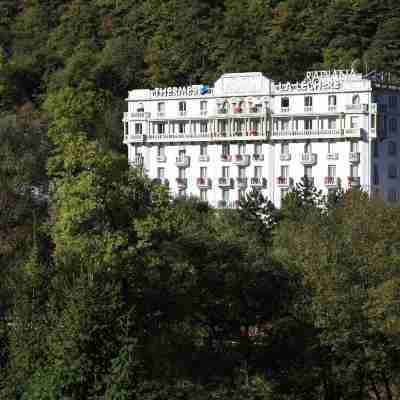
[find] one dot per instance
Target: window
(284, 192)
(242, 148)
(203, 194)
(225, 195)
(332, 171)
(203, 172)
(355, 99)
(284, 124)
(392, 148)
(182, 107)
(242, 172)
(241, 194)
(203, 107)
(284, 148)
(181, 173)
(160, 173)
(308, 102)
(373, 121)
(225, 149)
(353, 147)
(140, 107)
(203, 149)
(332, 100)
(284, 171)
(321, 124)
(160, 150)
(308, 123)
(160, 128)
(138, 129)
(203, 127)
(257, 148)
(308, 171)
(307, 147)
(392, 171)
(181, 127)
(331, 147)
(393, 124)
(331, 123)
(392, 195)
(393, 101)
(285, 103)
(354, 171)
(257, 171)
(161, 108)
(225, 172)
(354, 122)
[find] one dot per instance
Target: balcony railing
(225, 182)
(357, 107)
(284, 109)
(284, 181)
(182, 161)
(285, 156)
(204, 158)
(331, 108)
(140, 115)
(241, 182)
(354, 157)
(161, 181)
(352, 132)
(308, 158)
(354, 181)
(203, 112)
(242, 160)
(226, 157)
(308, 108)
(332, 156)
(160, 114)
(258, 182)
(161, 158)
(309, 134)
(331, 181)
(181, 182)
(258, 157)
(182, 113)
(203, 182)
(228, 204)
(137, 161)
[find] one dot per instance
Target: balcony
(181, 183)
(284, 109)
(241, 183)
(137, 161)
(258, 157)
(225, 182)
(258, 183)
(332, 156)
(204, 158)
(203, 183)
(161, 181)
(309, 134)
(226, 157)
(331, 108)
(354, 157)
(285, 157)
(354, 181)
(308, 158)
(139, 115)
(182, 113)
(331, 181)
(284, 181)
(228, 204)
(161, 158)
(182, 161)
(308, 109)
(242, 160)
(363, 108)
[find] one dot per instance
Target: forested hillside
(111, 290)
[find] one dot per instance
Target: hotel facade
(338, 128)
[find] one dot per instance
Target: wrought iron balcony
(331, 181)
(204, 183)
(332, 156)
(225, 182)
(258, 183)
(308, 158)
(258, 157)
(284, 181)
(241, 183)
(354, 157)
(181, 182)
(137, 161)
(242, 160)
(182, 161)
(226, 157)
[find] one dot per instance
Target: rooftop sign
(319, 80)
(186, 91)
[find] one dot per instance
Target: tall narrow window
(225, 172)
(354, 170)
(308, 171)
(160, 128)
(331, 147)
(160, 150)
(203, 194)
(284, 171)
(181, 173)
(307, 147)
(257, 148)
(356, 99)
(308, 124)
(285, 148)
(140, 108)
(392, 171)
(161, 109)
(203, 172)
(242, 172)
(353, 147)
(160, 173)
(203, 107)
(285, 104)
(332, 171)
(308, 102)
(181, 127)
(375, 178)
(354, 122)
(332, 101)
(203, 127)
(392, 148)
(375, 148)
(242, 148)
(225, 149)
(257, 171)
(203, 149)
(331, 123)
(138, 129)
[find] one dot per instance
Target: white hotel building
(335, 127)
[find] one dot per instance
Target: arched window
(356, 99)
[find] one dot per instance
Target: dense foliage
(110, 290)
